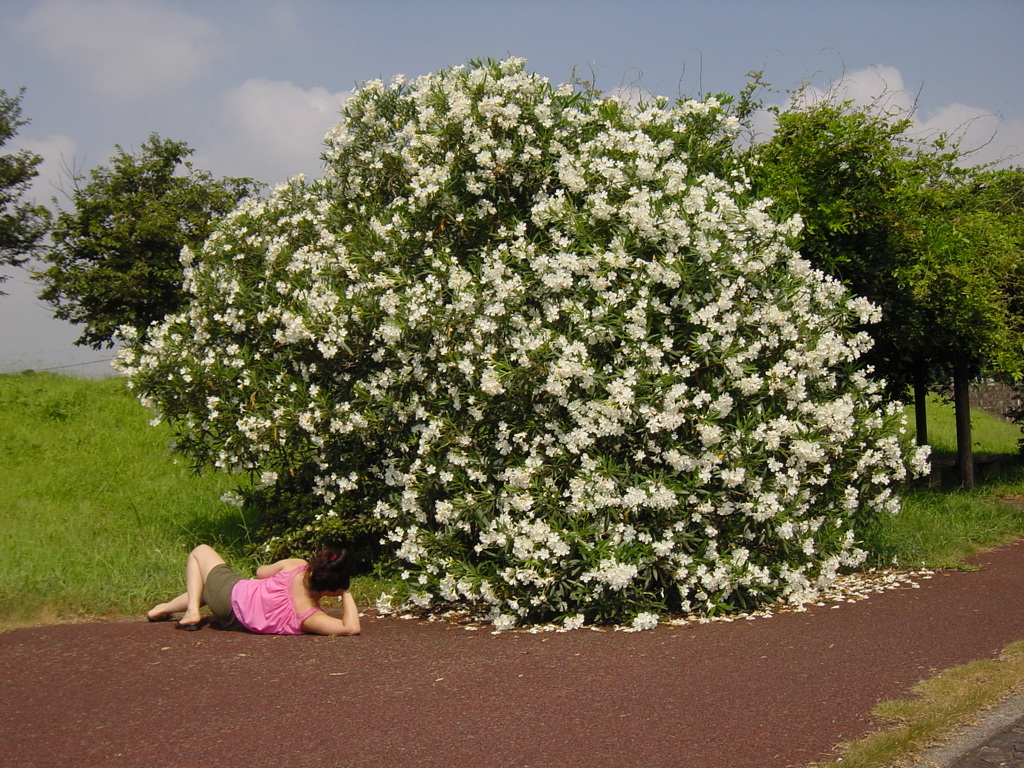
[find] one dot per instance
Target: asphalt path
(764, 693)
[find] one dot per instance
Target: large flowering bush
(546, 343)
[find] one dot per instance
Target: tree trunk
(964, 445)
(920, 411)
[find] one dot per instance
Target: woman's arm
(321, 623)
(266, 571)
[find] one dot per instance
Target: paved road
(1005, 748)
(768, 693)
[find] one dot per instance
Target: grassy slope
(990, 435)
(97, 516)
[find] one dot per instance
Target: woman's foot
(159, 613)
(190, 621)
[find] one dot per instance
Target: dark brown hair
(330, 570)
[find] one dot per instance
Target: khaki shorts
(217, 594)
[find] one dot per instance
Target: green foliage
(115, 259)
(1002, 193)
(550, 343)
(292, 522)
(901, 223)
(966, 280)
(22, 224)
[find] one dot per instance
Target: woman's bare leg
(177, 605)
(201, 561)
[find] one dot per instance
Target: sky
(253, 85)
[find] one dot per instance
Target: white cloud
(632, 94)
(273, 130)
(875, 86)
(124, 48)
(58, 153)
(986, 137)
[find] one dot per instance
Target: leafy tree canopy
(115, 259)
(897, 219)
(22, 224)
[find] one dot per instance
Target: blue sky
(252, 85)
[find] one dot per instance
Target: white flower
(644, 621)
(504, 622)
(615, 574)
(806, 451)
(443, 511)
(573, 622)
(385, 603)
(490, 384)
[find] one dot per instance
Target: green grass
(97, 518)
(941, 526)
(989, 434)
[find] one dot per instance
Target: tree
(22, 224)
(894, 219)
(115, 259)
(1002, 193)
(965, 286)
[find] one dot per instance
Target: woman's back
(275, 605)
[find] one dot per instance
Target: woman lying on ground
(283, 599)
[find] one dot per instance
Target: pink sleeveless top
(266, 605)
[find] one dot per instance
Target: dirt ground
(764, 693)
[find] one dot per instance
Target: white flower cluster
(549, 343)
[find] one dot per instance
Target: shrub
(546, 342)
